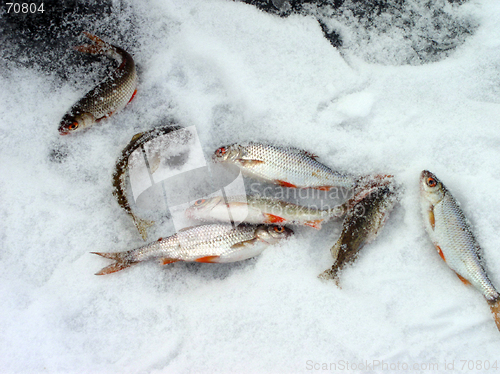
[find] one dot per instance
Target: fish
(452, 235)
(285, 166)
(213, 243)
(367, 214)
(109, 96)
(259, 210)
(121, 170)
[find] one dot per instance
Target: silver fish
(286, 166)
(259, 210)
(208, 243)
(451, 234)
(109, 96)
(368, 212)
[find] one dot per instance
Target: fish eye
(431, 182)
(221, 151)
(73, 126)
(279, 229)
(199, 202)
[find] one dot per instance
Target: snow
(237, 74)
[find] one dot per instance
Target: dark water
(44, 40)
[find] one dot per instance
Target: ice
(238, 74)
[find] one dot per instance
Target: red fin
(113, 268)
(440, 252)
(160, 239)
(312, 155)
(464, 281)
(495, 309)
(285, 184)
(133, 95)
(92, 49)
(271, 218)
(316, 224)
(94, 38)
(120, 264)
(166, 261)
(323, 188)
(209, 259)
(98, 47)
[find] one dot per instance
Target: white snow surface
(239, 74)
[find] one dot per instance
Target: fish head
(272, 234)
(228, 153)
(431, 187)
(202, 207)
(73, 122)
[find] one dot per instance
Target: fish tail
(142, 225)
(99, 46)
(495, 309)
(122, 261)
(330, 274)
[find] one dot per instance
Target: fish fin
(323, 188)
(185, 229)
(244, 243)
(310, 155)
(249, 162)
(105, 116)
(166, 260)
(133, 95)
(285, 184)
(142, 225)
(136, 136)
(440, 251)
(92, 49)
(271, 218)
(330, 274)
(495, 309)
(95, 39)
(99, 46)
(316, 224)
(208, 259)
(432, 219)
(336, 249)
(464, 281)
(121, 262)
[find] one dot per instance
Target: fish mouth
(63, 132)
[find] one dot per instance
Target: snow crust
(238, 74)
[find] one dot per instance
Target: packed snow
(235, 74)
